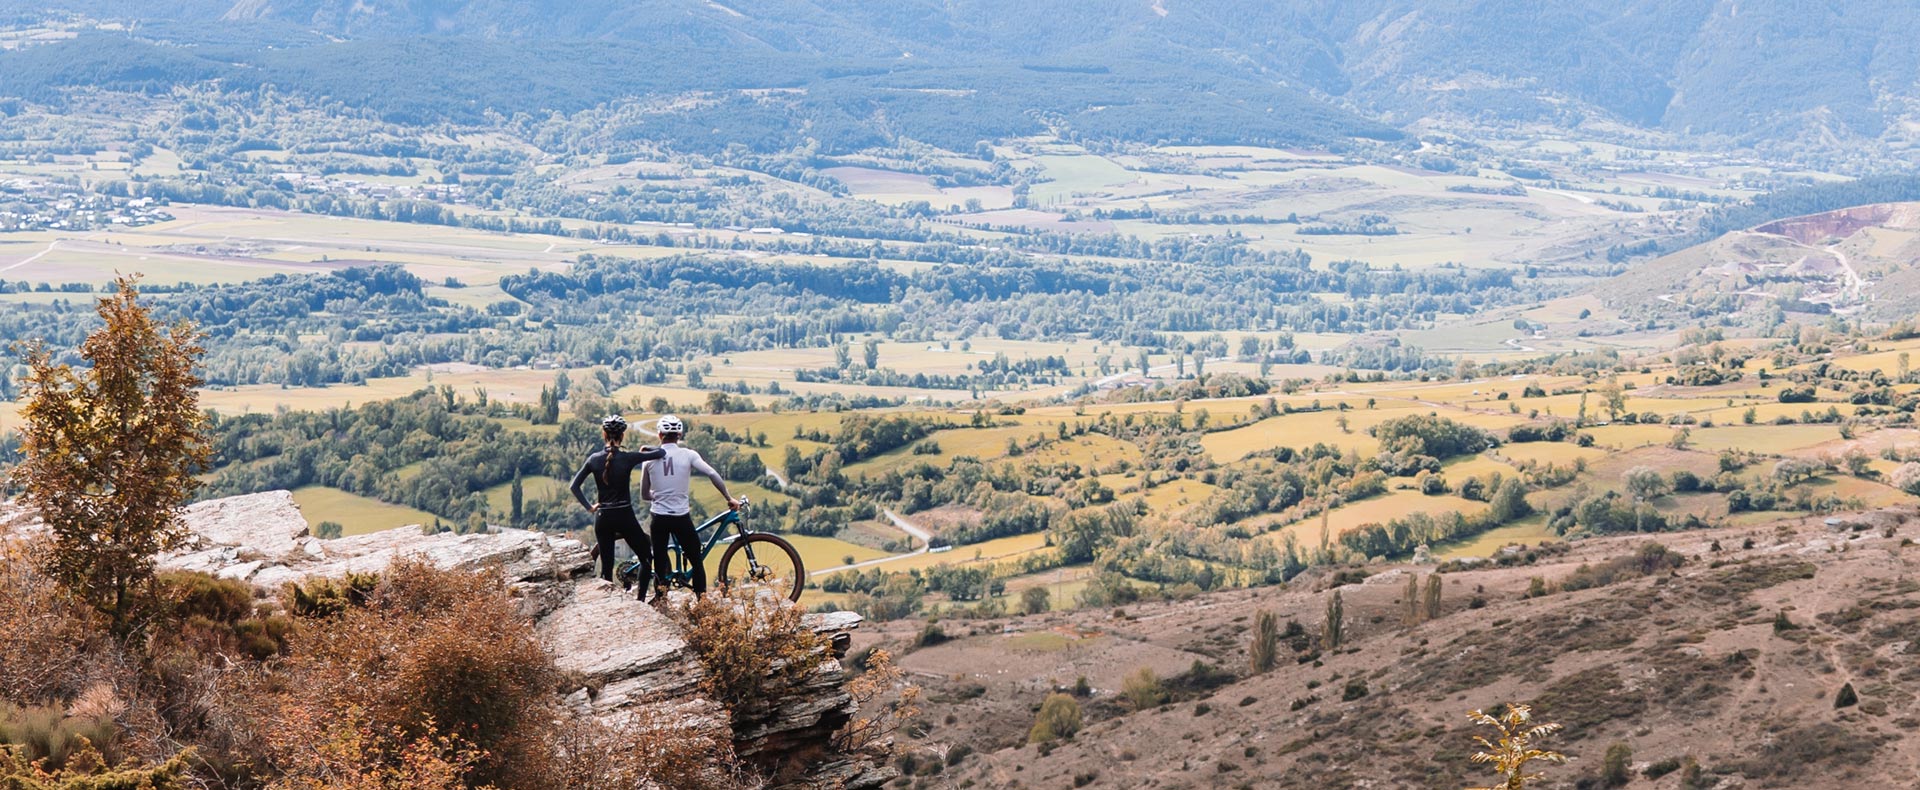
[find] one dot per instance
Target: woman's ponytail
(613, 437)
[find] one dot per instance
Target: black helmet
(614, 422)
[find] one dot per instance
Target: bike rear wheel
(764, 561)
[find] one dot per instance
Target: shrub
(1691, 776)
(1356, 689)
(352, 755)
(328, 597)
(1059, 719)
(1661, 768)
(869, 732)
(752, 646)
(1514, 745)
(1651, 558)
(1035, 600)
(48, 638)
(1782, 623)
(89, 771)
(931, 635)
(1142, 689)
(430, 648)
(1614, 767)
(651, 748)
(1846, 698)
(208, 615)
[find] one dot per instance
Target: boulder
(260, 526)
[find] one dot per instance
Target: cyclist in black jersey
(612, 471)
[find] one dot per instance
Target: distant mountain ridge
(1791, 69)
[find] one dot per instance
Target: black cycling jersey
(612, 476)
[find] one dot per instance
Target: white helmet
(669, 424)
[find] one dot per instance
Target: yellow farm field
(1178, 495)
(1303, 429)
(513, 386)
(1378, 510)
(1562, 453)
(1763, 438)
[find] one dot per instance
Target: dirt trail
(34, 257)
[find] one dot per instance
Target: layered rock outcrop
(625, 654)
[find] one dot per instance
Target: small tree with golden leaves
(110, 452)
(1516, 746)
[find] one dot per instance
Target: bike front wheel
(764, 561)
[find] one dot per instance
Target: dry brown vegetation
(429, 678)
(1674, 659)
(752, 646)
(434, 654)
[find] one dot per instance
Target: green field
(1530, 531)
(357, 515)
(500, 497)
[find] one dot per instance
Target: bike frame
(681, 574)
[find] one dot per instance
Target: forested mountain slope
(1778, 70)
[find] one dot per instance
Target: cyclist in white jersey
(667, 482)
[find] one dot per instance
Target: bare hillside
(1733, 659)
(1854, 261)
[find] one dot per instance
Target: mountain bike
(752, 558)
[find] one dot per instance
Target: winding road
(913, 530)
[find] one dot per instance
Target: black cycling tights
(620, 524)
(680, 528)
